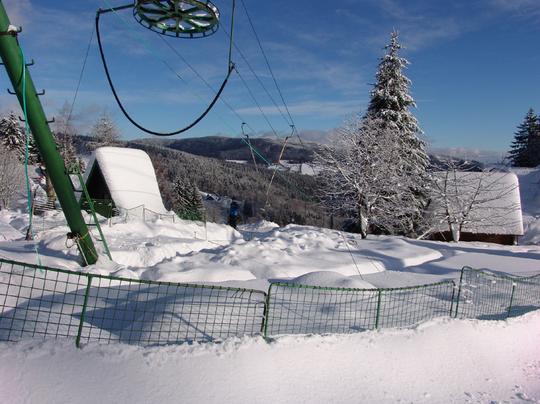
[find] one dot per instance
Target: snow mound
(261, 226)
(532, 233)
(331, 279)
(8, 233)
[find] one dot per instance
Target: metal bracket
(12, 30)
(11, 92)
(21, 119)
(50, 121)
(31, 63)
(42, 92)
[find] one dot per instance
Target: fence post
(85, 302)
(459, 291)
(264, 325)
(378, 309)
(511, 299)
(452, 299)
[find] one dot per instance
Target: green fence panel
(39, 303)
(526, 296)
(49, 302)
(405, 307)
(301, 309)
(488, 296)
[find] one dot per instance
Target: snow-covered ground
(194, 252)
(443, 361)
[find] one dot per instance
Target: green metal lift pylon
(12, 58)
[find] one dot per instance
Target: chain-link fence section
(46, 302)
(301, 309)
(488, 296)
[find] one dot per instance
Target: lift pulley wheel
(178, 18)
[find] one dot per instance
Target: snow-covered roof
(497, 207)
(130, 177)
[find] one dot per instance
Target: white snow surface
(442, 361)
(529, 183)
(192, 252)
(130, 176)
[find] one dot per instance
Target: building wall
(504, 239)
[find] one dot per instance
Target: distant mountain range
(233, 148)
(229, 148)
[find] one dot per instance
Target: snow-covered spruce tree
(12, 134)
(104, 132)
(522, 153)
(376, 170)
(13, 138)
(390, 106)
(187, 201)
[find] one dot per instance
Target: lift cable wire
(256, 102)
(295, 131)
(254, 150)
(267, 61)
(119, 102)
(81, 74)
(250, 67)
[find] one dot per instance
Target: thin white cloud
(523, 8)
(318, 108)
(18, 11)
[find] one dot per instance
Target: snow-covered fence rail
(302, 309)
(46, 302)
(488, 296)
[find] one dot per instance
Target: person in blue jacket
(234, 214)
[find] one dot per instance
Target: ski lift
(180, 18)
(187, 19)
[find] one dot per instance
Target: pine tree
(534, 145)
(389, 107)
(187, 201)
(14, 139)
(12, 134)
(523, 153)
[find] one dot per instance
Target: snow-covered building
(123, 178)
(476, 206)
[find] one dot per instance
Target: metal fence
(488, 296)
(58, 303)
(294, 309)
(47, 302)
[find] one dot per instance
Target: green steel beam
(12, 58)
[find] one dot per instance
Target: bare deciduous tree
(362, 176)
(104, 132)
(10, 174)
(478, 202)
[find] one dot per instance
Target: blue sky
(475, 65)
